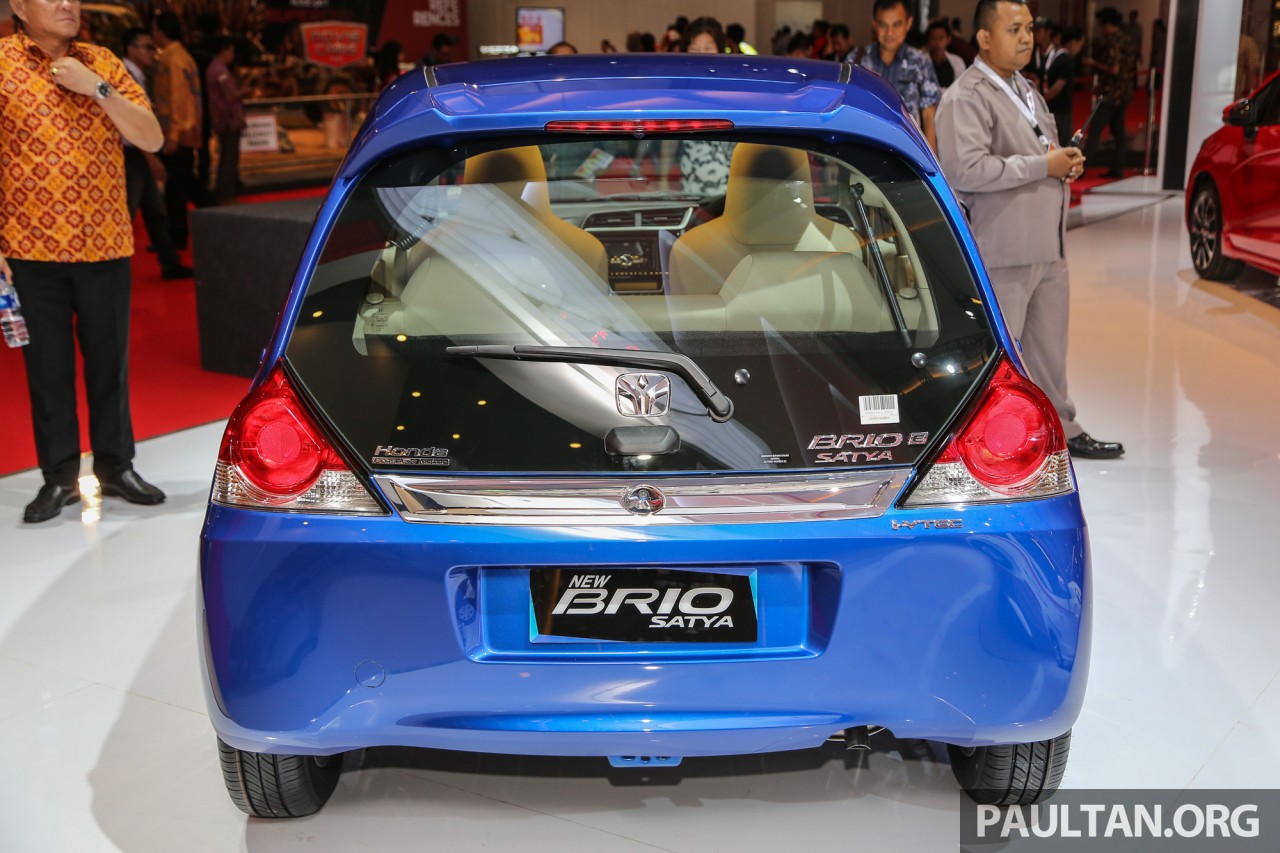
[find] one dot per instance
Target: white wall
(1217, 41)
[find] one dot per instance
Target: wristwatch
(102, 91)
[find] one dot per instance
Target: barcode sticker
(878, 409)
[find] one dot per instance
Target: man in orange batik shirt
(66, 240)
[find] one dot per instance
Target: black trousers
(204, 165)
(63, 303)
(143, 193)
(180, 187)
(1108, 115)
(228, 166)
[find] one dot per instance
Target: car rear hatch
(636, 345)
(594, 306)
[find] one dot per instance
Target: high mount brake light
(1012, 446)
(640, 127)
(273, 457)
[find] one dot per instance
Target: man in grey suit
(997, 144)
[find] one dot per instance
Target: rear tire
(1204, 225)
(1013, 774)
(278, 785)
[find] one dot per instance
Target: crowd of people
(194, 94)
(923, 63)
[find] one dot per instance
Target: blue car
(644, 408)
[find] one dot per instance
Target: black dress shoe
(180, 271)
(1086, 446)
(131, 487)
(49, 502)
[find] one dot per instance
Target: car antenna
(1078, 136)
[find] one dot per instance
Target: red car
(1233, 215)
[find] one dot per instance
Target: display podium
(245, 257)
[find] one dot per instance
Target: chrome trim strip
(580, 501)
(429, 75)
(846, 71)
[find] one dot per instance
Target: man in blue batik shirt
(907, 69)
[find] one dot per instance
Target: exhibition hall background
(1204, 37)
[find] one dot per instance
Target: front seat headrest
(769, 201)
(508, 168)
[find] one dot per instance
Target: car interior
(492, 255)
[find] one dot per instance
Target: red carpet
(1135, 127)
(1090, 180)
(168, 389)
(283, 195)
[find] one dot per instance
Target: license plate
(643, 605)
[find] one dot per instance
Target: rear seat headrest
(769, 201)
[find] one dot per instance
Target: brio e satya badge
(641, 395)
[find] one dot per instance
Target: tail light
(274, 457)
(1011, 447)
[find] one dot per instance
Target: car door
(1255, 180)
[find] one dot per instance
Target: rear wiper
(719, 407)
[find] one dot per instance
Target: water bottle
(15, 328)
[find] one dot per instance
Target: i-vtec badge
(697, 607)
(642, 395)
(929, 524)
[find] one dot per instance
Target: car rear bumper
(325, 634)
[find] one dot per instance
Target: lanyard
(1025, 105)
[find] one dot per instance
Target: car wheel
(278, 785)
(1013, 774)
(1204, 222)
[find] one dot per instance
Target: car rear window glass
(583, 305)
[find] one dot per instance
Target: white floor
(1110, 200)
(106, 745)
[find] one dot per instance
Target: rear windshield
(647, 305)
